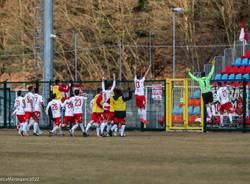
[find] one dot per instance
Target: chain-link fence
(238, 94)
(155, 107)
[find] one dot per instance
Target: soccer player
(97, 112)
(29, 107)
(225, 104)
(77, 102)
(205, 86)
(38, 103)
(119, 101)
(55, 106)
(68, 114)
(19, 111)
(106, 93)
(62, 91)
(139, 96)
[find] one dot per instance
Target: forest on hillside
(133, 32)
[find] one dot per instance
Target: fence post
(5, 104)
(37, 84)
(204, 116)
(244, 105)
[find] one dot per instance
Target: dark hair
(30, 88)
(108, 84)
(98, 90)
(36, 90)
(19, 93)
(77, 92)
(53, 96)
(203, 74)
(57, 81)
(138, 76)
(117, 92)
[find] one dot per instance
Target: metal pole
(243, 52)
(75, 48)
(120, 61)
(174, 45)
(48, 44)
(5, 104)
(150, 52)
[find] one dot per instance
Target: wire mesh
(155, 108)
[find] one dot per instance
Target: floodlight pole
(174, 11)
(48, 44)
(75, 48)
(174, 59)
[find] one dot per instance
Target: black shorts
(120, 114)
(207, 97)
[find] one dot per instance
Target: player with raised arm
(106, 93)
(205, 86)
(55, 106)
(19, 111)
(139, 95)
(97, 113)
(225, 103)
(78, 102)
(29, 107)
(119, 101)
(38, 103)
(68, 113)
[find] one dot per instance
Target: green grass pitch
(141, 157)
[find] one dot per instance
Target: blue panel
(217, 76)
(224, 77)
(231, 77)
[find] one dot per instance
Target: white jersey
(67, 104)
(38, 101)
(223, 95)
(29, 100)
(19, 106)
(55, 106)
(139, 86)
(77, 102)
(106, 94)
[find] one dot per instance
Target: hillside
(113, 30)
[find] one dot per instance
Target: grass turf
(148, 157)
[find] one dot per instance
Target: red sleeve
(63, 88)
(99, 100)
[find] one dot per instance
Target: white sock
(74, 128)
(31, 123)
(122, 130)
(230, 117)
(144, 115)
(20, 128)
(25, 127)
(98, 130)
(213, 110)
(114, 127)
(35, 128)
(102, 127)
(60, 129)
(209, 111)
(221, 120)
(139, 113)
(88, 127)
(109, 127)
(55, 129)
(82, 127)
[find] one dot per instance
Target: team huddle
(108, 109)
